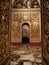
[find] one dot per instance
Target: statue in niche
(17, 4)
(26, 4)
(34, 4)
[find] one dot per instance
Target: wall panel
(4, 32)
(45, 31)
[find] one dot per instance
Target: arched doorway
(25, 33)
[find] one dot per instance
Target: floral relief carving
(15, 31)
(35, 27)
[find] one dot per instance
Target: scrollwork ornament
(46, 5)
(47, 47)
(46, 51)
(2, 49)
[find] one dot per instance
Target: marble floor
(26, 55)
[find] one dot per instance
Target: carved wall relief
(34, 21)
(25, 3)
(36, 27)
(15, 34)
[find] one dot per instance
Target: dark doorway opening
(25, 33)
(25, 40)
